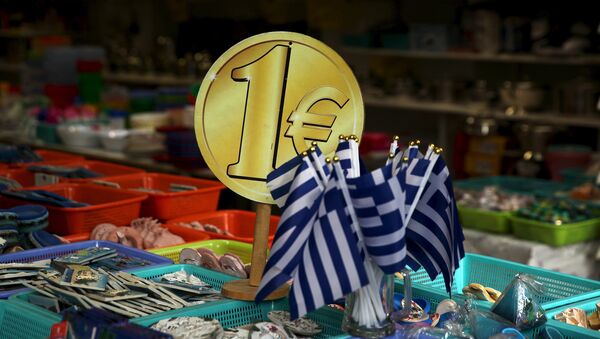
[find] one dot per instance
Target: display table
(579, 259)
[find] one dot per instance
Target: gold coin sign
(265, 100)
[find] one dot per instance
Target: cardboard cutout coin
(265, 100)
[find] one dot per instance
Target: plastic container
(511, 184)
(239, 223)
(19, 322)
(169, 205)
(576, 176)
(232, 313)
(559, 158)
(572, 331)
(555, 235)
(52, 252)
(149, 120)
(560, 288)
(49, 158)
(106, 169)
(106, 205)
(76, 135)
(86, 236)
(46, 132)
(215, 279)
(220, 247)
(27, 178)
(487, 221)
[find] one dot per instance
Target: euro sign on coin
(265, 100)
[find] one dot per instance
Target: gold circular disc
(267, 99)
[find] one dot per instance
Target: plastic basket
(555, 235)
(106, 205)
(105, 169)
(488, 221)
(239, 223)
(52, 252)
(560, 288)
(510, 184)
(572, 331)
(216, 279)
(86, 236)
(220, 247)
(50, 158)
(576, 176)
(18, 322)
(168, 205)
(233, 314)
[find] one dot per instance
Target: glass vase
(367, 312)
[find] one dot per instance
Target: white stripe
(387, 239)
(328, 265)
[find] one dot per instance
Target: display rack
(526, 58)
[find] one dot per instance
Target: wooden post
(246, 289)
(261, 242)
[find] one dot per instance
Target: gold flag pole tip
(336, 158)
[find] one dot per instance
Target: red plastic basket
(106, 205)
(50, 158)
(169, 205)
(239, 223)
(186, 236)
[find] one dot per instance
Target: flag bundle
(341, 230)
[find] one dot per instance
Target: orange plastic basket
(169, 205)
(239, 223)
(106, 205)
(186, 236)
(27, 178)
(57, 156)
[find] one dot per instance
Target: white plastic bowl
(79, 136)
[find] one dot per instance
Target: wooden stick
(261, 241)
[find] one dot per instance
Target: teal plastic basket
(560, 289)
(216, 279)
(17, 322)
(572, 331)
(233, 313)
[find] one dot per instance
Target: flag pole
(246, 289)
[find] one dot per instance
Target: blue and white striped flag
(295, 226)
(434, 235)
(331, 265)
(378, 201)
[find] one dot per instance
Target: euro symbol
(306, 125)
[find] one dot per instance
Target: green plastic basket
(18, 322)
(232, 313)
(488, 221)
(560, 289)
(512, 184)
(555, 235)
(572, 331)
(220, 247)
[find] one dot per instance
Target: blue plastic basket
(52, 252)
(560, 289)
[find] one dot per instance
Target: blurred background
(507, 87)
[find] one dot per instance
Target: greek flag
(299, 211)
(279, 181)
(331, 265)
(378, 201)
(434, 235)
